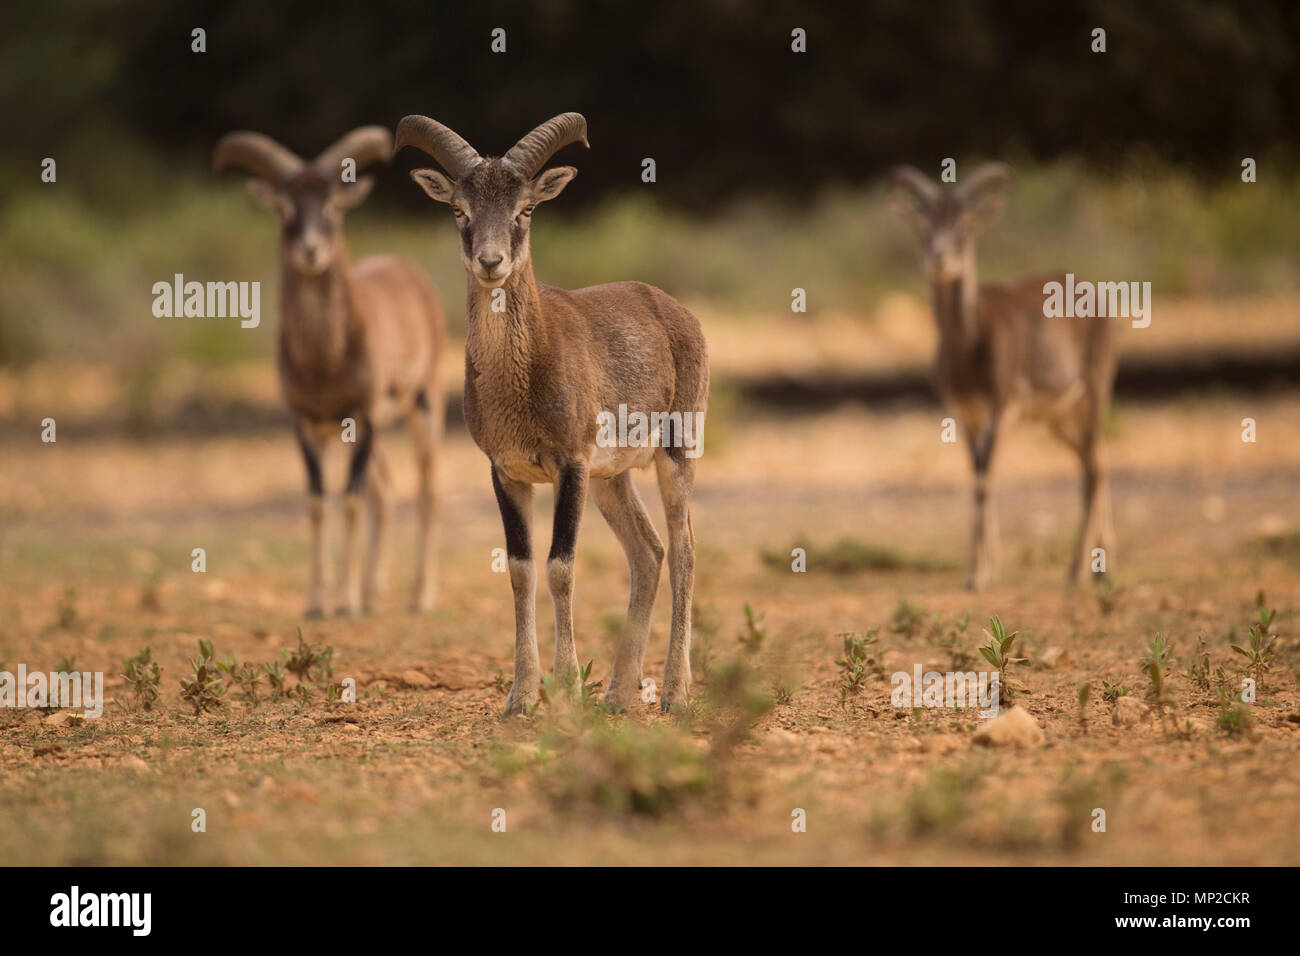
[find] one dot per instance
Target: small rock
(135, 764)
(414, 678)
(1054, 658)
(62, 718)
(1014, 728)
(1128, 711)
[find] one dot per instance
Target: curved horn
(258, 154)
(530, 154)
(365, 145)
(915, 182)
(985, 176)
(448, 148)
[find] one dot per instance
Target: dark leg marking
(311, 459)
(569, 495)
(518, 543)
(360, 459)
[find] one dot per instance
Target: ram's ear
(435, 184)
(350, 195)
(270, 196)
(552, 182)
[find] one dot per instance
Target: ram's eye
(458, 212)
(527, 211)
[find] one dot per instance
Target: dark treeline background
(709, 88)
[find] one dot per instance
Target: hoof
(617, 704)
(674, 702)
(517, 706)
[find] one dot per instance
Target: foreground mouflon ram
(542, 365)
(999, 357)
(359, 342)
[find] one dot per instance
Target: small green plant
(752, 637)
(205, 691)
(953, 640)
(998, 653)
(734, 704)
(247, 677)
(704, 628)
(590, 688)
(143, 675)
(783, 692)
(1259, 653)
(276, 677)
(68, 665)
(1108, 594)
(1224, 686)
(1113, 692)
(908, 619)
(1235, 720)
(1198, 672)
(1083, 695)
(858, 662)
(1156, 662)
(310, 662)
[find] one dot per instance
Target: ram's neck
(316, 315)
(506, 337)
(956, 308)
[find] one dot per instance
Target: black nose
(489, 264)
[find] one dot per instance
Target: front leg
(515, 499)
(570, 496)
(984, 529)
(311, 456)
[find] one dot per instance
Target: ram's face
(947, 235)
(311, 216)
(493, 208)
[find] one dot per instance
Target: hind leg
(676, 483)
(623, 510)
(1080, 431)
(379, 502)
(426, 431)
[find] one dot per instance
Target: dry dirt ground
(95, 556)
